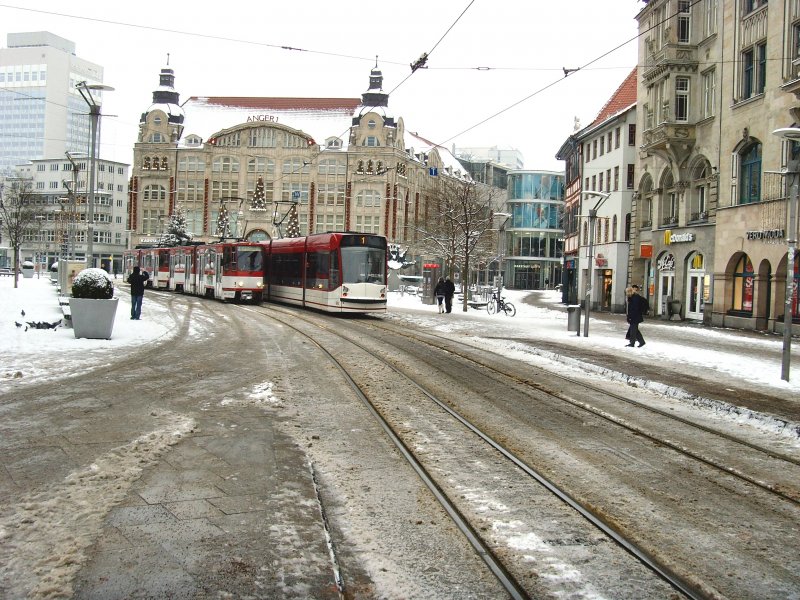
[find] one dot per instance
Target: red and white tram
(333, 272)
(230, 271)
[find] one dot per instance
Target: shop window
(743, 287)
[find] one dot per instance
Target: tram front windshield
(248, 259)
(363, 264)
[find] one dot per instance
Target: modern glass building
(42, 113)
(534, 238)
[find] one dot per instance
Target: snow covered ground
(692, 346)
(39, 354)
(35, 355)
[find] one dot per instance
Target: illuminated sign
(674, 238)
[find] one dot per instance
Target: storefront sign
(766, 234)
(262, 118)
(666, 263)
(674, 238)
(601, 260)
(646, 251)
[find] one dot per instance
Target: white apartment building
(601, 161)
(60, 197)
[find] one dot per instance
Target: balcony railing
(669, 220)
(699, 217)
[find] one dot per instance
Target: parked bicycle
(498, 304)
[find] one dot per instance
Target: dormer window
(156, 120)
(333, 143)
(371, 124)
(371, 141)
(156, 138)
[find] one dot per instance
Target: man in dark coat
(449, 292)
(638, 307)
(137, 279)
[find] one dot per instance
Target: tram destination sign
(766, 234)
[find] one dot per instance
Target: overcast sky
(486, 57)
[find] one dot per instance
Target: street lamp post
(590, 255)
(791, 134)
(85, 90)
(501, 247)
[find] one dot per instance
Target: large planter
(28, 270)
(93, 318)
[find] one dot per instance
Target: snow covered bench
(63, 302)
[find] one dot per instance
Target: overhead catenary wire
(586, 66)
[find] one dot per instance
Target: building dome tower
(163, 121)
(375, 96)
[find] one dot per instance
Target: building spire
(375, 96)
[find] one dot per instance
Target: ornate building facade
(710, 216)
(342, 163)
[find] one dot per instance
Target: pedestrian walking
(137, 279)
(449, 292)
(637, 308)
(439, 294)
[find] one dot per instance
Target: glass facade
(534, 238)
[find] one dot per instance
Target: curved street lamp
(85, 90)
(590, 254)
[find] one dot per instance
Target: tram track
(512, 585)
(780, 489)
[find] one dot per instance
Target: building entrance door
(666, 282)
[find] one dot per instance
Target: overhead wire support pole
(792, 135)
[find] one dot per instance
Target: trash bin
(675, 310)
(574, 318)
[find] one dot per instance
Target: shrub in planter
(92, 305)
(93, 283)
(28, 269)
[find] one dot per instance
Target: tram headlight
(345, 290)
(240, 283)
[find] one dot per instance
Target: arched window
(743, 286)
(750, 174)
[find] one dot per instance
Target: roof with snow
(321, 118)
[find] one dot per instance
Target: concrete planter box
(93, 319)
(28, 270)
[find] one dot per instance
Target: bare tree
(18, 216)
(459, 226)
